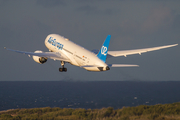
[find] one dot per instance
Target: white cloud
(159, 18)
(50, 3)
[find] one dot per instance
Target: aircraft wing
(136, 51)
(51, 55)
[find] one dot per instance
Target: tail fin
(104, 49)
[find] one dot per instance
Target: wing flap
(137, 51)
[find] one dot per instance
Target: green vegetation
(142, 112)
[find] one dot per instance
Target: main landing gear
(63, 69)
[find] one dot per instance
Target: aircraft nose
(107, 68)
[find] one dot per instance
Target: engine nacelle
(38, 59)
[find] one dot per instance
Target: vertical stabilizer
(104, 49)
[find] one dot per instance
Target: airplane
(66, 51)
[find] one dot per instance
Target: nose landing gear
(63, 69)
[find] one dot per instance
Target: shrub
(5, 116)
(65, 112)
(17, 117)
(108, 112)
(126, 117)
(154, 116)
(81, 113)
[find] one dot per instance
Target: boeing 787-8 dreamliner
(66, 51)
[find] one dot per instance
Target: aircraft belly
(97, 69)
(73, 61)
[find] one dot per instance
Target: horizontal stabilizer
(122, 65)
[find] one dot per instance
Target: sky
(132, 24)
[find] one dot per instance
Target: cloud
(94, 10)
(158, 18)
(87, 9)
(50, 3)
(176, 23)
(25, 24)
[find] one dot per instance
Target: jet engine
(38, 59)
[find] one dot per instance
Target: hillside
(142, 112)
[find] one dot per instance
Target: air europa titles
(54, 43)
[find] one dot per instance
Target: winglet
(104, 49)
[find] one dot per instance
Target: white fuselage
(77, 55)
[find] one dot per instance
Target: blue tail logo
(104, 49)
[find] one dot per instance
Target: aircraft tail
(104, 49)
